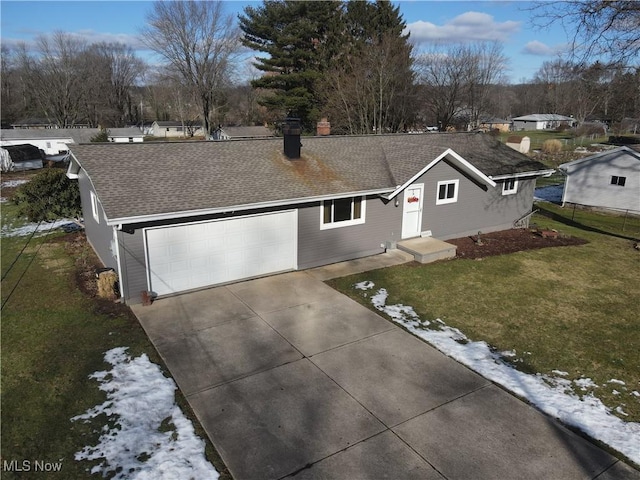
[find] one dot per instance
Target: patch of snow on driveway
(148, 436)
(551, 395)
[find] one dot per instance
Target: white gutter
(119, 222)
(539, 173)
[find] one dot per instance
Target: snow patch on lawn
(13, 183)
(29, 228)
(554, 396)
(148, 436)
(550, 193)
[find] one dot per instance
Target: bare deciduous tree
(198, 41)
(443, 76)
(54, 77)
(609, 28)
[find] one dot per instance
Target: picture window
(342, 212)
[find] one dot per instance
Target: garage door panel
(191, 256)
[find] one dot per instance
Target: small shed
(520, 144)
(20, 157)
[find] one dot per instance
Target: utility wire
(28, 266)
(21, 251)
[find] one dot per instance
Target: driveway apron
(291, 379)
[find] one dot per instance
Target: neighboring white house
(173, 129)
(228, 133)
(610, 179)
(541, 121)
(55, 141)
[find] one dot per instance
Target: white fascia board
(537, 173)
(119, 222)
(455, 158)
(73, 169)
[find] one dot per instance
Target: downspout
(116, 252)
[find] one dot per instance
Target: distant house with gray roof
(541, 121)
(230, 133)
(174, 129)
(248, 208)
(54, 141)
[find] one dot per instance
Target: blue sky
(507, 22)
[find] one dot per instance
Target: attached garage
(195, 255)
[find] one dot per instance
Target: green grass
(569, 142)
(53, 338)
(568, 308)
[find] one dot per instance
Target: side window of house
(94, 207)
(447, 192)
(620, 181)
(510, 186)
(342, 212)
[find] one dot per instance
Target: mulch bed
(509, 241)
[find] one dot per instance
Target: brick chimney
(291, 130)
(323, 127)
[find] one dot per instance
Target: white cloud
(467, 27)
(542, 49)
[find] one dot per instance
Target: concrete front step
(428, 249)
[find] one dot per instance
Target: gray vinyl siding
(133, 265)
(99, 234)
(478, 208)
(383, 223)
(589, 182)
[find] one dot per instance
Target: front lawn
(567, 309)
(53, 337)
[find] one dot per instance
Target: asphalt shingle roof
(145, 179)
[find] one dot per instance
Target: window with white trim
(620, 181)
(447, 192)
(94, 207)
(342, 212)
(510, 186)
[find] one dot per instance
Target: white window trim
(444, 201)
(94, 207)
(345, 223)
(506, 191)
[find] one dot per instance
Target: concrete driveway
(292, 379)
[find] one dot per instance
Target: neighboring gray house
(54, 141)
(541, 121)
(230, 133)
(178, 216)
(610, 179)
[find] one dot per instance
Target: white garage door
(185, 257)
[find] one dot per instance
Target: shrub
(49, 195)
(552, 146)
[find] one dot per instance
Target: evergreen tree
(299, 40)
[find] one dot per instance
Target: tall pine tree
(299, 39)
